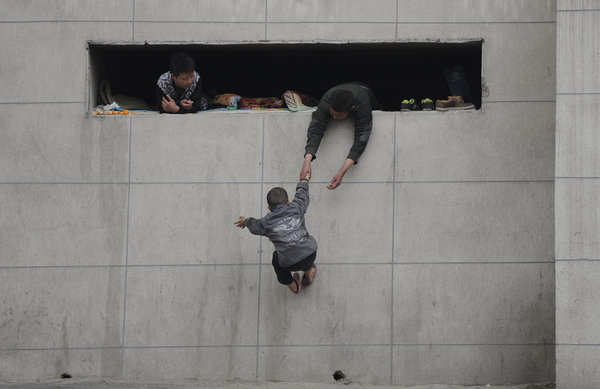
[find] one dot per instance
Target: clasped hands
(169, 105)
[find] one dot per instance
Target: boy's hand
(186, 103)
(241, 222)
(169, 105)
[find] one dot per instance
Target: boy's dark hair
(277, 196)
(181, 63)
(341, 100)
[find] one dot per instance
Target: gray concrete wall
(118, 254)
(577, 194)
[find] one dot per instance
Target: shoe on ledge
(453, 103)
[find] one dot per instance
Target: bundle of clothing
(294, 101)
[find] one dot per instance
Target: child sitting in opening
(295, 249)
(179, 90)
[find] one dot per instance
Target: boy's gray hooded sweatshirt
(284, 226)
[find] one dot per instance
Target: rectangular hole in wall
(395, 70)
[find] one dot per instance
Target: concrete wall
(578, 195)
(118, 254)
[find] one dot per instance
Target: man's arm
(316, 129)
(337, 179)
(363, 123)
(306, 168)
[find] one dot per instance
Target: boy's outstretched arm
(255, 226)
(241, 222)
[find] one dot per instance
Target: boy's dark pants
(284, 275)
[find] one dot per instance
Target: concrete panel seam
(409, 23)
(150, 183)
(340, 345)
(133, 24)
(396, 37)
(578, 10)
(421, 263)
(62, 21)
(62, 348)
(126, 252)
(476, 263)
(62, 267)
(193, 22)
(577, 344)
(266, 35)
(39, 102)
(516, 101)
(393, 239)
(260, 247)
(215, 265)
(474, 182)
(577, 178)
(64, 183)
(473, 344)
(285, 22)
(577, 93)
(274, 182)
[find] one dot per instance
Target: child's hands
(169, 105)
(241, 222)
(186, 103)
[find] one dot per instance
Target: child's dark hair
(341, 100)
(181, 63)
(277, 196)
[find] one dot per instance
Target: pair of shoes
(453, 103)
(409, 105)
(412, 105)
(298, 285)
(309, 276)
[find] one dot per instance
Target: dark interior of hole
(395, 71)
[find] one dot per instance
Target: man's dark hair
(341, 100)
(181, 63)
(277, 196)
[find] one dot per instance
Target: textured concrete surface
(118, 253)
(577, 194)
(189, 384)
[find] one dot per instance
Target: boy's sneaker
(409, 105)
(452, 103)
(427, 104)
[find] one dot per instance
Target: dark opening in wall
(395, 70)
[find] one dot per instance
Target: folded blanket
(260, 102)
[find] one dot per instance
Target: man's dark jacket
(364, 103)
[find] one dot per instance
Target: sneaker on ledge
(409, 105)
(427, 104)
(453, 103)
